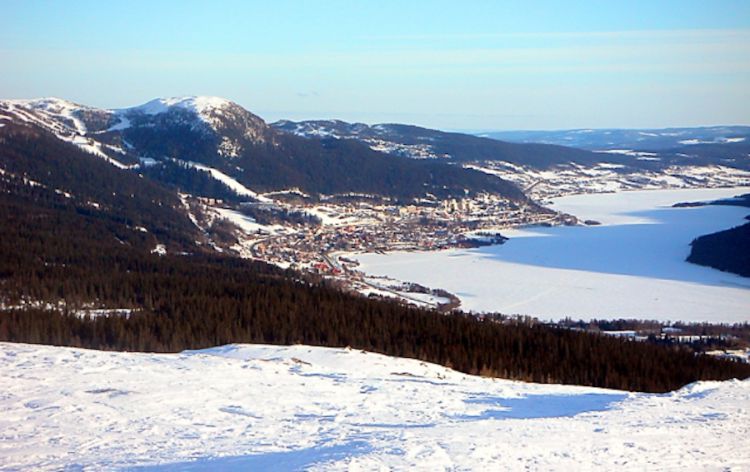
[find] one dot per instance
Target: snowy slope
(256, 407)
(105, 133)
(65, 120)
(199, 105)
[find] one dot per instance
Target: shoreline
(618, 220)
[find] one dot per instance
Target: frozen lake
(632, 266)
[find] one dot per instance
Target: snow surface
(207, 109)
(198, 105)
(631, 266)
(123, 123)
(230, 182)
(248, 224)
(58, 108)
(690, 142)
(628, 152)
(334, 216)
(278, 408)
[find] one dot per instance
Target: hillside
(82, 193)
(221, 135)
(548, 168)
(632, 139)
(727, 250)
(422, 143)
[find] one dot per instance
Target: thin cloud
(625, 34)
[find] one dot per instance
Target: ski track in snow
(230, 182)
(260, 407)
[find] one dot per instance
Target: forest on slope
(727, 250)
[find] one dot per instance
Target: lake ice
(632, 266)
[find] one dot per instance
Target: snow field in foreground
(259, 407)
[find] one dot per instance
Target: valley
(292, 194)
(374, 236)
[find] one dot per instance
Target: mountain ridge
(423, 143)
(220, 134)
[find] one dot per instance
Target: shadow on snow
(543, 406)
(655, 250)
(272, 461)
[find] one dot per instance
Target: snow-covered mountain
(706, 157)
(218, 134)
(234, 124)
(94, 129)
(260, 407)
(328, 156)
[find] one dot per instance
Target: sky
(459, 65)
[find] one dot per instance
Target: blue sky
(451, 65)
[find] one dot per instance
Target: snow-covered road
(255, 407)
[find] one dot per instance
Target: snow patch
(247, 224)
(123, 123)
(230, 182)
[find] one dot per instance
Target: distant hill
(727, 250)
(422, 143)
(628, 150)
(633, 139)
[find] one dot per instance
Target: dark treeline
(54, 248)
(187, 179)
(711, 335)
(739, 330)
(727, 250)
(254, 309)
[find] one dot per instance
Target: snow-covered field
(631, 266)
(244, 407)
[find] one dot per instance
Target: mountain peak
(50, 105)
(218, 114)
(197, 104)
(51, 112)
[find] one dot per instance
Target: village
(334, 229)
